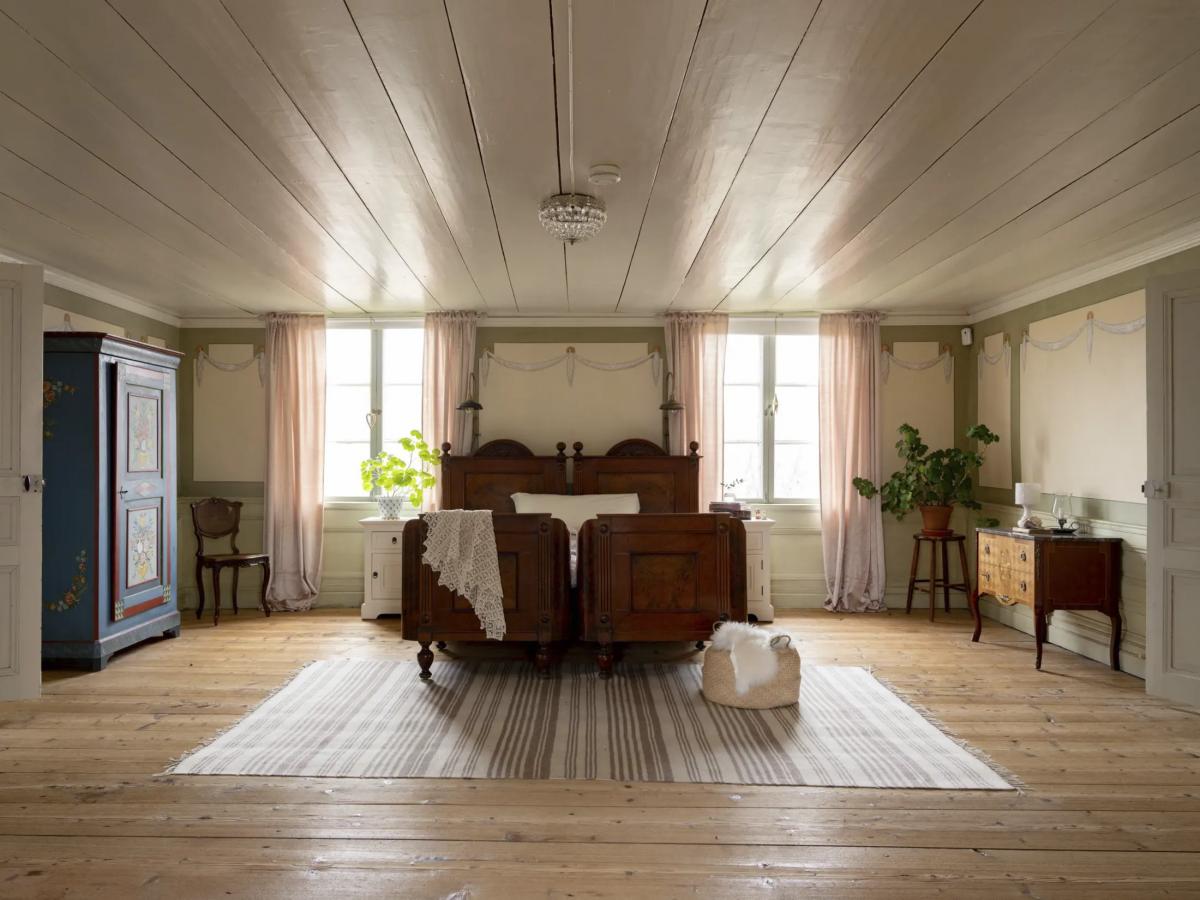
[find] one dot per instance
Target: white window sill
(793, 505)
(351, 504)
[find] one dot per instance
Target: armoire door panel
(141, 525)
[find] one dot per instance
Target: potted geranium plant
(932, 481)
(398, 480)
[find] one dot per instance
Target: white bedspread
(460, 545)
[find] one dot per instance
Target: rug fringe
(174, 761)
(928, 715)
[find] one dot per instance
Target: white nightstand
(758, 570)
(383, 541)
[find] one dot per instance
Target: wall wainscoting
(798, 570)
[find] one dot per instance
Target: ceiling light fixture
(604, 173)
(572, 216)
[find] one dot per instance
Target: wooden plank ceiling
(216, 157)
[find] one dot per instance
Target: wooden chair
(217, 518)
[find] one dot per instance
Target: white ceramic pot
(390, 507)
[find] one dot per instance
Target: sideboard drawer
(1022, 557)
(1021, 587)
(995, 550)
(992, 578)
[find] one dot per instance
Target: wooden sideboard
(1047, 572)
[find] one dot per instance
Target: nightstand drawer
(385, 540)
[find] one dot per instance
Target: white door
(1173, 488)
(20, 481)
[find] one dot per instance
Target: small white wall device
(968, 335)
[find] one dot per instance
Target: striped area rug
(369, 718)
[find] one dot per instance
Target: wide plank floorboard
(1110, 805)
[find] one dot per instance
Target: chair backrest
(216, 518)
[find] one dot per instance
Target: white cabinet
(758, 570)
(383, 541)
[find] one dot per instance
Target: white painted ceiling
(210, 157)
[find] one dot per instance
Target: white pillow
(575, 510)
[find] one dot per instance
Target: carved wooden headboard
(663, 483)
(497, 470)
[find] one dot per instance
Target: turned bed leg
(604, 660)
(425, 660)
(541, 660)
(441, 645)
(699, 645)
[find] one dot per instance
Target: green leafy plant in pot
(932, 481)
(398, 480)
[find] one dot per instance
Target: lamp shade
(1027, 493)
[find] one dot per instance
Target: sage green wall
(136, 326)
(1015, 323)
(191, 339)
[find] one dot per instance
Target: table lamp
(1027, 495)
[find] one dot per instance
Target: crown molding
(86, 288)
(221, 322)
(900, 317)
(1176, 242)
(613, 321)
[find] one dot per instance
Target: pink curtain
(696, 356)
(851, 527)
(295, 483)
(449, 361)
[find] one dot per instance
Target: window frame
(769, 330)
(376, 328)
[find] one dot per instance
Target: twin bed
(666, 573)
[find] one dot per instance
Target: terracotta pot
(935, 520)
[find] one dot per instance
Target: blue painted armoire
(109, 558)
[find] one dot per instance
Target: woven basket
(782, 690)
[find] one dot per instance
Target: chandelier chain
(571, 87)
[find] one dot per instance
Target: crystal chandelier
(572, 217)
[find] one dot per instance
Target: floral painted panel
(52, 390)
(143, 433)
(72, 596)
(141, 542)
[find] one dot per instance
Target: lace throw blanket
(460, 545)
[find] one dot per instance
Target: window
(368, 370)
(771, 414)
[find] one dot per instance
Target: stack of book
(734, 508)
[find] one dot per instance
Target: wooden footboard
(654, 577)
(534, 560)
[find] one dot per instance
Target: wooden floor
(1111, 806)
